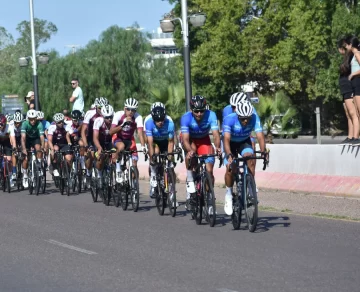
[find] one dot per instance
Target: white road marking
(225, 290)
(71, 247)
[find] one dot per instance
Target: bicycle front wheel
(134, 188)
(209, 200)
(251, 203)
(171, 186)
(237, 209)
(66, 177)
(159, 199)
(7, 177)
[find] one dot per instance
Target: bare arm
(96, 140)
(150, 141)
(227, 148)
(261, 139)
(114, 130)
(216, 136)
(51, 146)
(68, 138)
(141, 136)
(23, 142)
(186, 142)
(42, 141)
(83, 134)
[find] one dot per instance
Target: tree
(43, 31)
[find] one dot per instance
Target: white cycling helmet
(9, 117)
(131, 103)
(157, 104)
(40, 115)
(18, 117)
(101, 101)
(244, 109)
(31, 114)
(107, 111)
(237, 97)
(58, 117)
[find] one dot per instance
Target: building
(163, 44)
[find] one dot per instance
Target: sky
(79, 21)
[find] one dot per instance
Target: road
(58, 243)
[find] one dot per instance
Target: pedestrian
(353, 45)
(30, 100)
(77, 96)
(346, 91)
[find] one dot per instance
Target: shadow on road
(264, 223)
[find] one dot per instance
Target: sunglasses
(17, 123)
(75, 120)
(61, 122)
(198, 111)
(108, 118)
(245, 119)
(130, 109)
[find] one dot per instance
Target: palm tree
(278, 116)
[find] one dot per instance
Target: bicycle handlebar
(204, 156)
(246, 158)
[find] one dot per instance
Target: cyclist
(5, 142)
(87, 133)
(15, 138)
(46, 125)
(32, 136)
(237, 128)
(160, 138)
(159, 104)
(195, 127)
(229, 109)
(58, 141)
(73, 131)
(122, 131)
(102, 137)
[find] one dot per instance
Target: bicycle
(5, 172)
(63, 180)
(106, 192)
(130, 185)
(77, 173)
(19, 175)
(245, 196)
(37, 174)
(165, 191)
(203, 200)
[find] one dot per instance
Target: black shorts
(127, 143)
(106, 146)
(162, 144)
(7, 147)
(238, 147)
(30, 143)
(355, 82)
(63, 147)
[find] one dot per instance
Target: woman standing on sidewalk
(352, 45)
(346, 91)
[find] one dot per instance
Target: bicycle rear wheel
(43, 177)
(171, 186)
(209, 200)
(198, 208)
(159, 199)
(66, 177)
(251, 203)
(124, 196)
(36, 177)
(134, 188)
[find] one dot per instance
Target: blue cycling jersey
(239, 133)
(228, 110)
(166, 132)
(45, 124)
(199, 130)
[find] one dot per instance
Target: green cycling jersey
(32, 132)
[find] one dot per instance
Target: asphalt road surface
(58, 243)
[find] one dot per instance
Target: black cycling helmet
(76, 115)
(158, 114)
(198, 102)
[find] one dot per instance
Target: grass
(337, 217)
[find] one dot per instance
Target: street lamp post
(168, 26)
(34, 64)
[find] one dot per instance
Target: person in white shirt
(77, 96)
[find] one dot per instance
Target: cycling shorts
(30, 143)
(162, 144)
(7, 147)
(203, 147)
(240, 148)
(129, 145)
